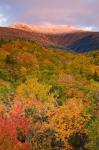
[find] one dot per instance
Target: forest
(49, 98)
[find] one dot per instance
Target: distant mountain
(73, 40)
(48, 29)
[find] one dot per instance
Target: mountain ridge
(48, 28)
(75, 41)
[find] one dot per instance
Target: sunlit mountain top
(49, 28)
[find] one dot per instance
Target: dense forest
(49, 99)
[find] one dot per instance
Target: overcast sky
(84, 13)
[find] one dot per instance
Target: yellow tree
(69, 119)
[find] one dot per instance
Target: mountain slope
(74, 41)
(48, 98)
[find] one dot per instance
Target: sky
(82, 13)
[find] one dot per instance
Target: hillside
(49, 98)
(72, 41)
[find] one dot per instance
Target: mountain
(48, 97)
(74, 40)
(48, 28)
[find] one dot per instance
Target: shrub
(34, 89)
(14, 129)
(10, 60)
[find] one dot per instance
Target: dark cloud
(75, 12)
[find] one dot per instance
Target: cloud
(3, 20)
(74, 12)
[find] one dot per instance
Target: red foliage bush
(14, 128)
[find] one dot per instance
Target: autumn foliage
(14, 128)
(49, 99)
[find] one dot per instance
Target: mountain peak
(48, 28)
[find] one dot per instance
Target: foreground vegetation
(49, 99)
